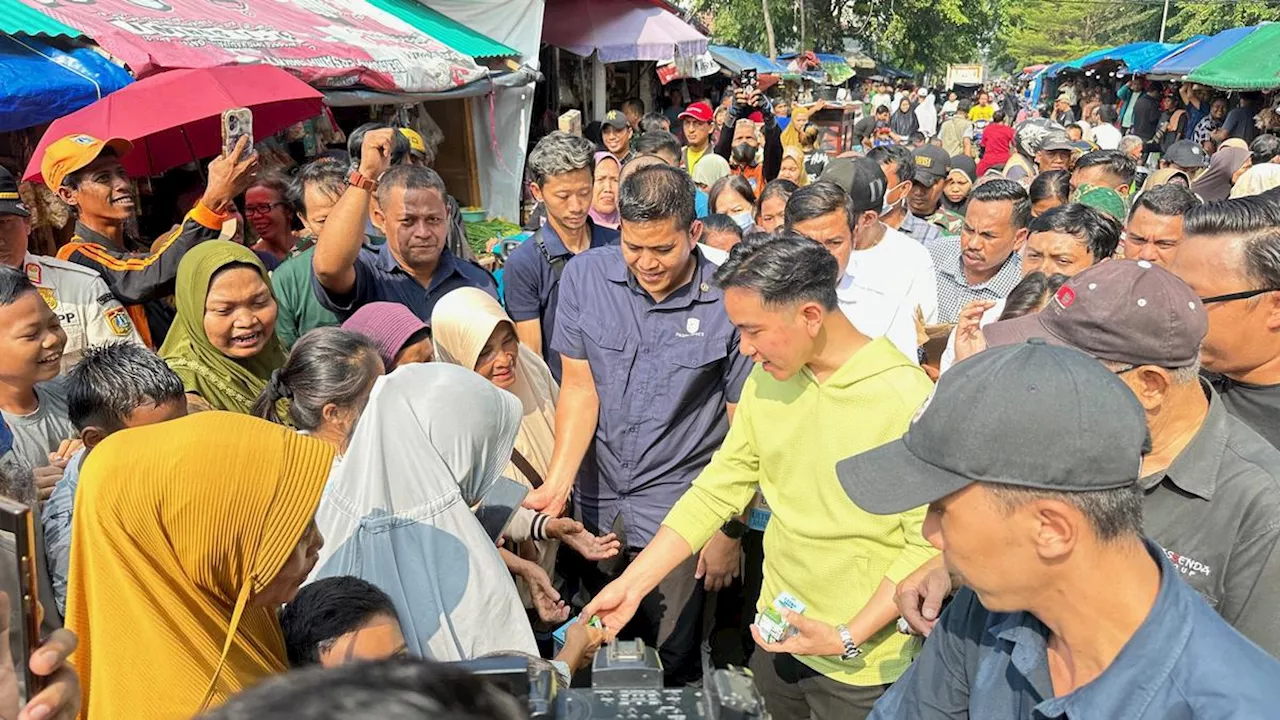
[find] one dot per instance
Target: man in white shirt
(1063, 241)
(1105, 134)
(886, 278)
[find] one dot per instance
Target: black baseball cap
(1125, 311)
(1031, 415)
(932, 164)
(1187, 154)
(862, 178)
(615, 119)
(10, 200)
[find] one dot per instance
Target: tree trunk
(768, 30)
(800, 12)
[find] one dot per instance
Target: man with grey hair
(1131, 145)
(1211, 484)
(413, 267)
(820, 390)
(561, 166)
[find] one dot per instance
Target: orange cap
(73, 152)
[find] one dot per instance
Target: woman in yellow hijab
(188, 536)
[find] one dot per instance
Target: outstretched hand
(811, 637)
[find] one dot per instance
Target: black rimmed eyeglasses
(1243, 295)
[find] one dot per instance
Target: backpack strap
(557, 263)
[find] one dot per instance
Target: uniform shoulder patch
(118, 320)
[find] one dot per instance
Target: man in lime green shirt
(821, 391)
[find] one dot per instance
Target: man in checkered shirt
(983, 262)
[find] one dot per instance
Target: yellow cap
(74, 152)
(415, 140)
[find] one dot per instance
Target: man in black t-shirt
(864, 130)
(1225, 259)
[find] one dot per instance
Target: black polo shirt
(1257, 405)
(1216, 513)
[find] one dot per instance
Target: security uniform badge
(34, 273)
(49, 295)
(118, 320)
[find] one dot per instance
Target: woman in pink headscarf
(604, 192)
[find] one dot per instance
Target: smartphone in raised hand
(19, 605)
(236, 123)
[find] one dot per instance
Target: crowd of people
(1001, 414)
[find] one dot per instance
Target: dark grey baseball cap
(862, 178)
(1126, 311)
(1187, 154)
(1032, 415)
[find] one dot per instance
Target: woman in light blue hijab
(397, 510)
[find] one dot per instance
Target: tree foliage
(1207, 18)
(914, 34)
(1043, 31)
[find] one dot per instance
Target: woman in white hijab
(472, 330)
(397, 510)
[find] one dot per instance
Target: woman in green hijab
(223, 342)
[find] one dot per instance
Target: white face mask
(743, 219)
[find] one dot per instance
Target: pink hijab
(612, 219)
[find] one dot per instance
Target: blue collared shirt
(530, 282)
(379, 278)
(664, 373)
(56, 517)
(1183, 662)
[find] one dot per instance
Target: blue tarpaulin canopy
(41, 82)
(735, 60)
(1178, 64)
(1130, 54)
(1144, 66)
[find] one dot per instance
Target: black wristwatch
(734, 529)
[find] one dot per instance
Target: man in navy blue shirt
(651, 375)
(1067, 610)
(562, 166)
(413, 267)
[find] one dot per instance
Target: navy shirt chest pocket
(611, 352)
(695, 370)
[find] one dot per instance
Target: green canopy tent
(1253, 63)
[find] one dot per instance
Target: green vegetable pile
(480, 233)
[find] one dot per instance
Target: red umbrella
(176, 117)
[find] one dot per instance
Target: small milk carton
(571, 122)
(772, 627)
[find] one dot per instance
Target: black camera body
(626, 682)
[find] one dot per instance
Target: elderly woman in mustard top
(188, 536)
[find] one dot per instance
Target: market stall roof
(1143, 66)
(445, 29)
(326, 43)
(41, 82)
(619, 30)
(735, 60)
(1179, 64)
(1140, 54)
(1250, 64)
(1127, 55)
(18, 19)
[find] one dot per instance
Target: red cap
(756, 117)
(699, 111)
